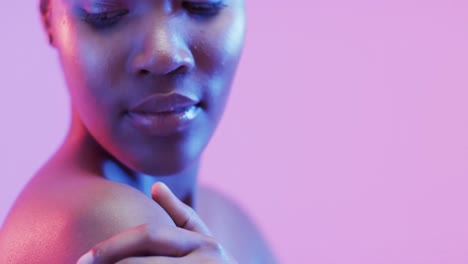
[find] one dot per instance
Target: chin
(165, 166)
(162, 156)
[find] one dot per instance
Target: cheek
(86, 59)
(223, 46)
(91, 72)
(231, 38)
(220, 44)
(90, 65)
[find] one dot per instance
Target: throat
(183, 185)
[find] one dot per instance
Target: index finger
(183, 215)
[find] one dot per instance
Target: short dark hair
(44, 6)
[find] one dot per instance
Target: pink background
(346, 136)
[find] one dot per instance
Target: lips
(164, 104)
(164, 114)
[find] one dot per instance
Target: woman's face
(149, 79)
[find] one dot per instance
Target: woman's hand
(189, 242)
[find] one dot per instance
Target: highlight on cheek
(64, 33)
(235, 37)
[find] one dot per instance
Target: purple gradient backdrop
(346, 136)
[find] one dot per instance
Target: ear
(45, 19)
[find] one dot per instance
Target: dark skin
(100, 193)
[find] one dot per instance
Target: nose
(162, 51)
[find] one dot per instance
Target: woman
(148, 82)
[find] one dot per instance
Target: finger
(182, 215)
(144, 240)
(211, 253)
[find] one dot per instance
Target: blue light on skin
(183, 185)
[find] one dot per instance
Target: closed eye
(203, 8)
(104, 19)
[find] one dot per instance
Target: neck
(91, 157)
(182, 184)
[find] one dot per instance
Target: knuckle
(214, 252)
(212, 245)
(149, 232)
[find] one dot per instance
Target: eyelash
(107, 19)
(203, 9)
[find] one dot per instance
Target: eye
(203, 8)
(104, 19)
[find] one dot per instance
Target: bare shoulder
(234, 228)
(56, 221)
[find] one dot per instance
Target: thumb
(183, 215)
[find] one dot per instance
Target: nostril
(163, 63)
(144, 72)
(181, 69)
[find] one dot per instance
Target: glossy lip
(164, 103)
(164, 114)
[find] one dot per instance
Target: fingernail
(158, 185)
(86, 259)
